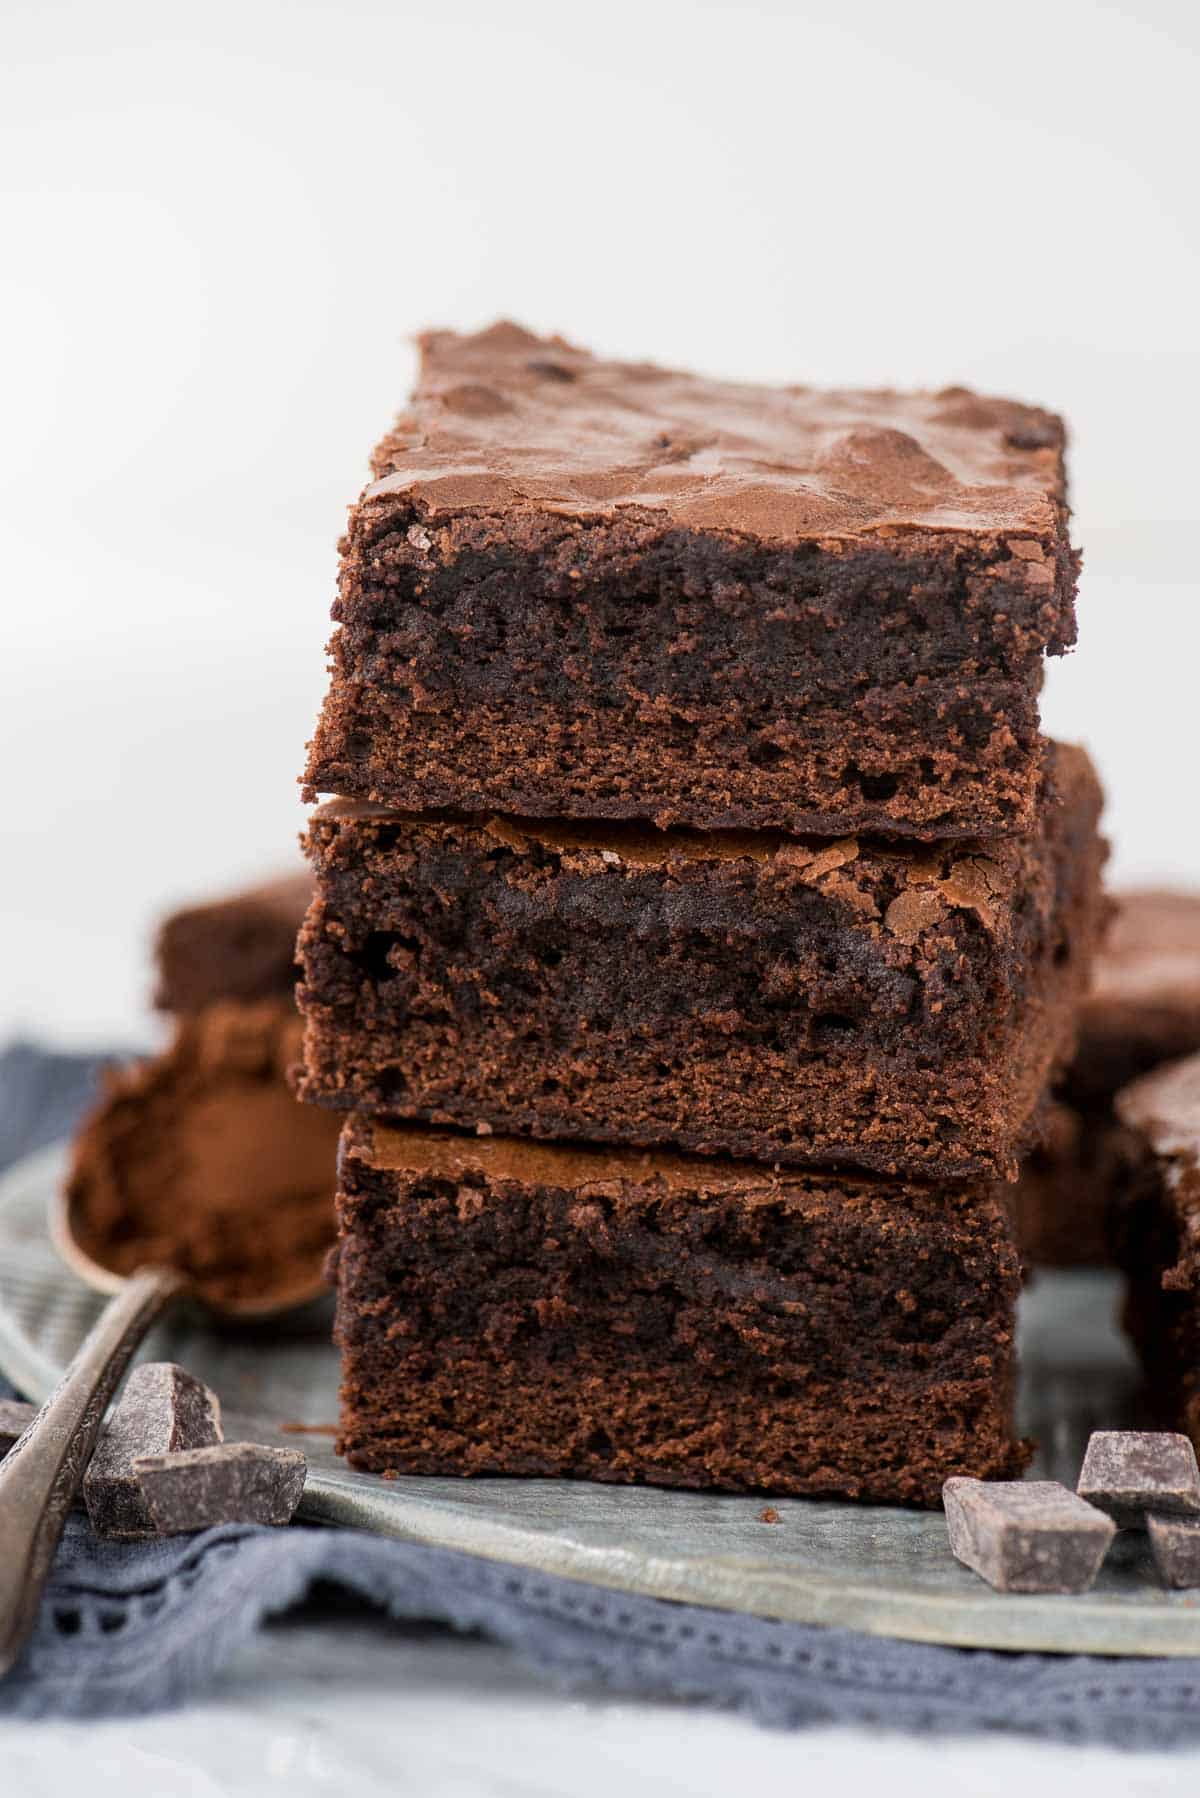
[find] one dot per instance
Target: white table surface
(360, 1710)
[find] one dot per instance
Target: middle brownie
(773, 998)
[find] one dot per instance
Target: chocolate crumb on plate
(1128, 1473)
(1175, 1545)
(1026, 1535)
(162, 1409)
(231, 1482)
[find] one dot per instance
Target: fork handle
(42, 1472)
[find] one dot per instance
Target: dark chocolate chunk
(234, 1482)
(1175, 1545)
(1130, 1472)
(1026, 1535)
(162, 1409)
(15, 1419)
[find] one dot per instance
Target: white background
(222, 222)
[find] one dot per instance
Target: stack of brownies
(700, 922)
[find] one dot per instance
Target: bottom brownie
(1156, 1239)
(510, 1307)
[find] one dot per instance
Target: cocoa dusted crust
(591, 589)
(514, 1308)
(767, 997)
(239, 947)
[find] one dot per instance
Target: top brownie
(581, 588)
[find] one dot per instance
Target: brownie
(1067, 1188)
(239, 947)
(896, 1007)
(1143, 1009)
(590, 589)
(202, 1159)
(1144, 1005)
(1156, 1238)
(509, 1307)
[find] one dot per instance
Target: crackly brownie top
(503, 421)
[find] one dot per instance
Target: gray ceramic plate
(870, 1568)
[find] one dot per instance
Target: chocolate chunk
(15, 1419)
(1175, 1545)
(162, 1409)
(1026, 1535)
(235, 1482)
(1130, 1472)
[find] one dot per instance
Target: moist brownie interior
(795, 1001)
(508, 1307)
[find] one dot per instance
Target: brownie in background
(242, 946)
(1143, 1010)
(201, 1157)
(1156, 1238)
(1144, 1004)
